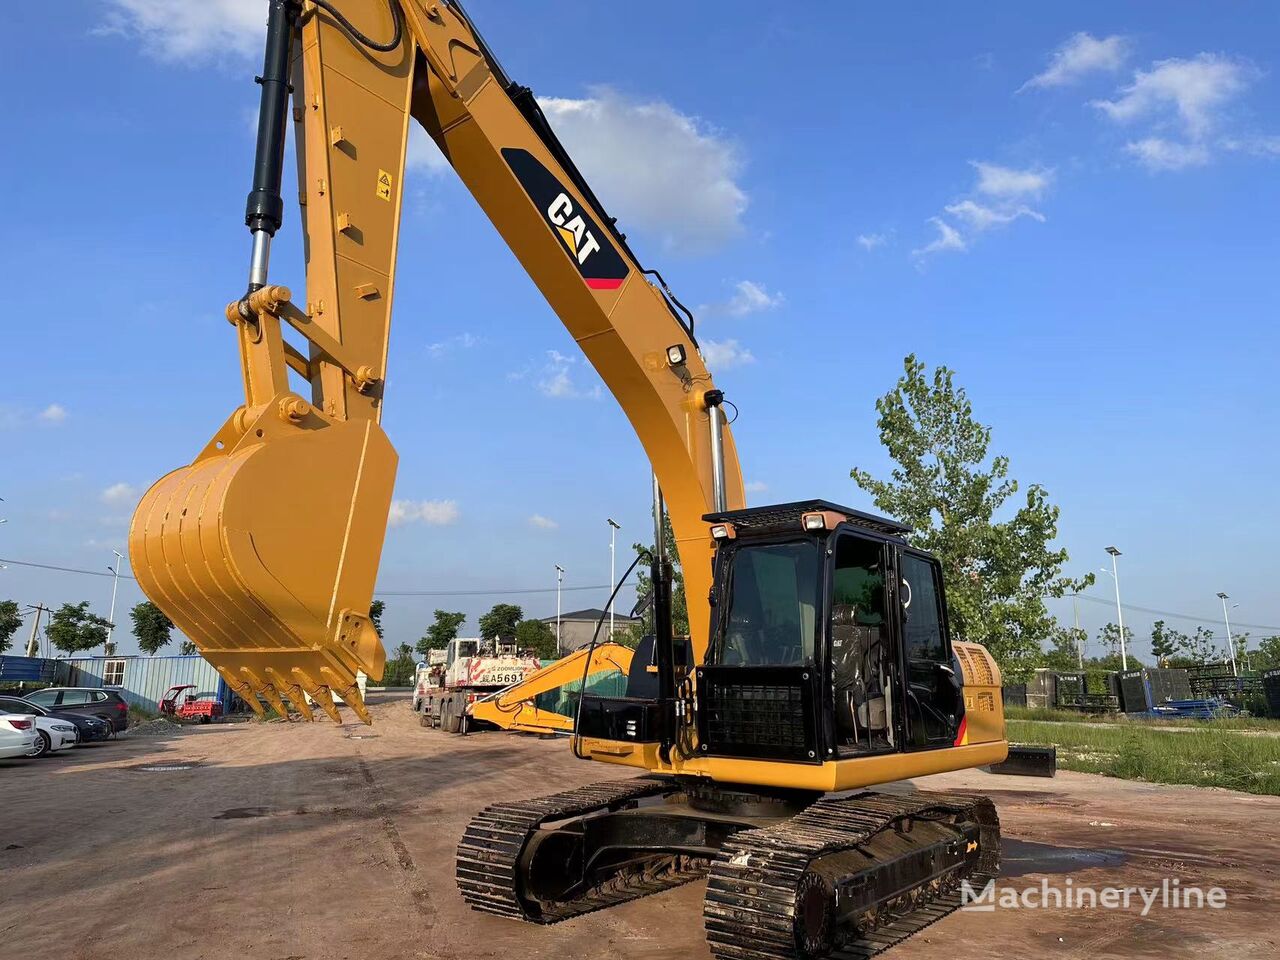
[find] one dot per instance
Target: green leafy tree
(1165, 642)
(151, 627)
(500, 621)
(73, 628)
(375, 616)
(1240, 644)
(399, 669)
(10, 621)
(188, 648)
(441, 631)
(1109, 640)
(1199, 648)
(947, 487)
(679, 602)
(1267, 654)
(538, 637)
(1067, 646)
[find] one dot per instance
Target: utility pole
(613, 543)
(1115, 575)
(1231, 645)
(33, 642)
(1075, 602)
(559, 580)
(115, 584)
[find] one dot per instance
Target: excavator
(819, 664)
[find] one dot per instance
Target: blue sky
(1074, 208)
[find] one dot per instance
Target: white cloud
(948, 238)
(1155, 153)
(540, 522)
(54, 413)
(979, 217)
(869, 241)
(1079, 56)
(437, 513)
(119, 493)
(725, 354)
(462, 341)
(556, 378)
(654, 168)
(748, 297)
(182, 30)
(1258, 146)
(755, 486)
(1008, 183)
(1195, 90)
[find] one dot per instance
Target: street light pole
(613, 543)
(1115, 575)
(115, 583)
(559, 580)
(1231, 645)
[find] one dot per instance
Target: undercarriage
(788, 874)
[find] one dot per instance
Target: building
(142, 681)
(579, 626)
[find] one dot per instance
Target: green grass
(1073, 716)
(139, 714)
(1213, 757)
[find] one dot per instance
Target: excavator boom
(265, 549)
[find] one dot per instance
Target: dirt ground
(293, 841)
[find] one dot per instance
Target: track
(488, 855)
(752, 891)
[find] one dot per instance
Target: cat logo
(573, 229)
(599, 264)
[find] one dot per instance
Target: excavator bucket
(264, 552)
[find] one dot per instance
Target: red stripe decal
(599, 284)
(960, 734)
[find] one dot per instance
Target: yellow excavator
(819, 662)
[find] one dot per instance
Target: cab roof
(786, 516)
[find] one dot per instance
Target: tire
(45, 746)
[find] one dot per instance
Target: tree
(1109, 640)
(1267, 655)
(151, 627)
(375, 616)
(946, 487)
(679, 602)
(73, 628)
(399, 669)
(439, 633)
(10, 621)
(500, 621)
(187, 648)
(1164, 642)
(1199, 648)
(538, 637)
(1068, 645)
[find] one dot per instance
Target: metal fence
(142, 681)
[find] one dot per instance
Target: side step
(1028, 761)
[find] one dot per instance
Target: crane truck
(821, 661)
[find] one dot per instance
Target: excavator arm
(265, 549)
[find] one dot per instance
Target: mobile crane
(820, 661)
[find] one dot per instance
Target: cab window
(772, 605)
(923, 630)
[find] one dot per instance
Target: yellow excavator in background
(819, 661)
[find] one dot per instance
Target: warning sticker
(384, 185)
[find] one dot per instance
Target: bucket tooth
(319, 693)
(268, 692)
(350, 694)
(244, 692)
(291, 690)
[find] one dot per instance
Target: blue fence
(142, 681)
(27, 670)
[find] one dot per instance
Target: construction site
(837, 695)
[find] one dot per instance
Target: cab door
(934, 698)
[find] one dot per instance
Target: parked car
(18, 737)
(53, 732)
(107, 704)
(88, 728)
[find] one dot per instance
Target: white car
(18, 735)
(54, 732)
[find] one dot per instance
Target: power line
(485, 592)
(1214, 621)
